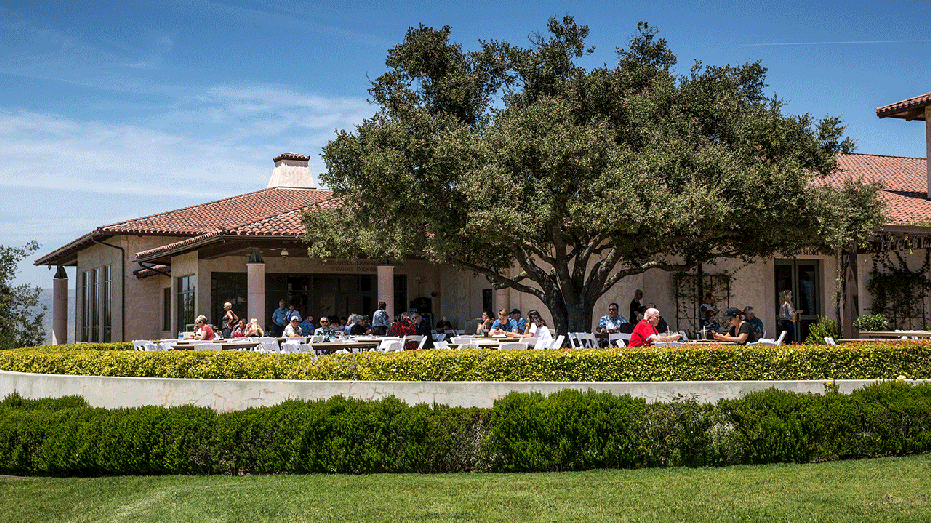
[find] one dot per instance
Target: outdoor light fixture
(284, 253)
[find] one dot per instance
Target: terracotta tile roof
(292, 156)
(273, 211)
(911, 109)
(904, 182)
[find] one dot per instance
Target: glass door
(803, 278)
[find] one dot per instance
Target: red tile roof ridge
(914, 101)
(882, 156)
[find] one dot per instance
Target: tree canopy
(559, 181)
(21, 315)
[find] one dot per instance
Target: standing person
(229, 320)
(423, 329)
(280, 318)
(786, 316)
(645, 332)
(612, 321)
(740, 332)
(485, 324)
(755, 322)
(636, 307)
(380, 320)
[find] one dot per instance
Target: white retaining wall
(231, 395)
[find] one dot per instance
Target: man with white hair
(645, 332)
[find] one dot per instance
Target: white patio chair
(140, 344)
(542, 343)
(557, 343)
(439, 336)
(586, 340)
(624, 340)
(777, 341)
(514, 345)
(390, 345)
(167, 345)
(614, 338)
(441, 345)
(460, 339)
(269, 346)
(291, 346)
(573, 340)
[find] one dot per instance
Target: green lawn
(889, 489)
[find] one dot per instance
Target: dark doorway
(803, 278)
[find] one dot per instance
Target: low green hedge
(568, 430)
(885, 360)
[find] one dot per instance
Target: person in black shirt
(636, 308)
(423, 329)
(741, 332)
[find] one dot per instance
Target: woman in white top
(537, 328)
(786, 314)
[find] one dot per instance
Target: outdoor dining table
(329, 347)
(224, 345)
(896, 334)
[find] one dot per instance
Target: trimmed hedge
(885, 360)
(568, 430)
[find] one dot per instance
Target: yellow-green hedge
(713, 362)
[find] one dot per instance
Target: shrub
(871, 322)
(825, 328)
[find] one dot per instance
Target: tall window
(86, 306)
(107, 304)
(187, 292)
(95, 305)
(166, 309)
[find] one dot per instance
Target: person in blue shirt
(307, 326)
(504, 324)
(521, 323)
(612, 321)
(280, 319)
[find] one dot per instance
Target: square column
(386, 287)
(60, 307)
(255, 272)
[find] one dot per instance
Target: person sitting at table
(423, 329)
(293, 330)
(240, 330)
(324, 329)
(358, 327)
(504, 325)
(204, 331)
(612, 321)
(537, 328)
(521, 323)
(485, 324)
(740, 332)
(403, 327)
(645, 332)
(307, 326)
(253, 329)
(707, 312)
(662, 326)
(754, 321)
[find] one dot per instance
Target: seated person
(612, 321)
(504, 325)
(662, 326)
(240, 330)
(645, 332)
(293, 330)
(204, 331)
(707, 312)
(253, 329)
(423, 329)
(324, 329)
(403, 327)
(307, 326)
(740, 332)
(754, 321)
(521, 323)
(485, 324)
(537, 328)
(358, 327)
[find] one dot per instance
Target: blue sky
(115, 110)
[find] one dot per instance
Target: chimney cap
(292, 156)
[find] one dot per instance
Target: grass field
(888, 489)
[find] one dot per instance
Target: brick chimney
(291, 172)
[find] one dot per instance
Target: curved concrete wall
(231, 395)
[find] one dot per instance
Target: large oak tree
(558, 181)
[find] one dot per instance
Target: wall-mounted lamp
(284, 253)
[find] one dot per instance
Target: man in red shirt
(645, 331)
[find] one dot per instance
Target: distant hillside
(46, 299)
